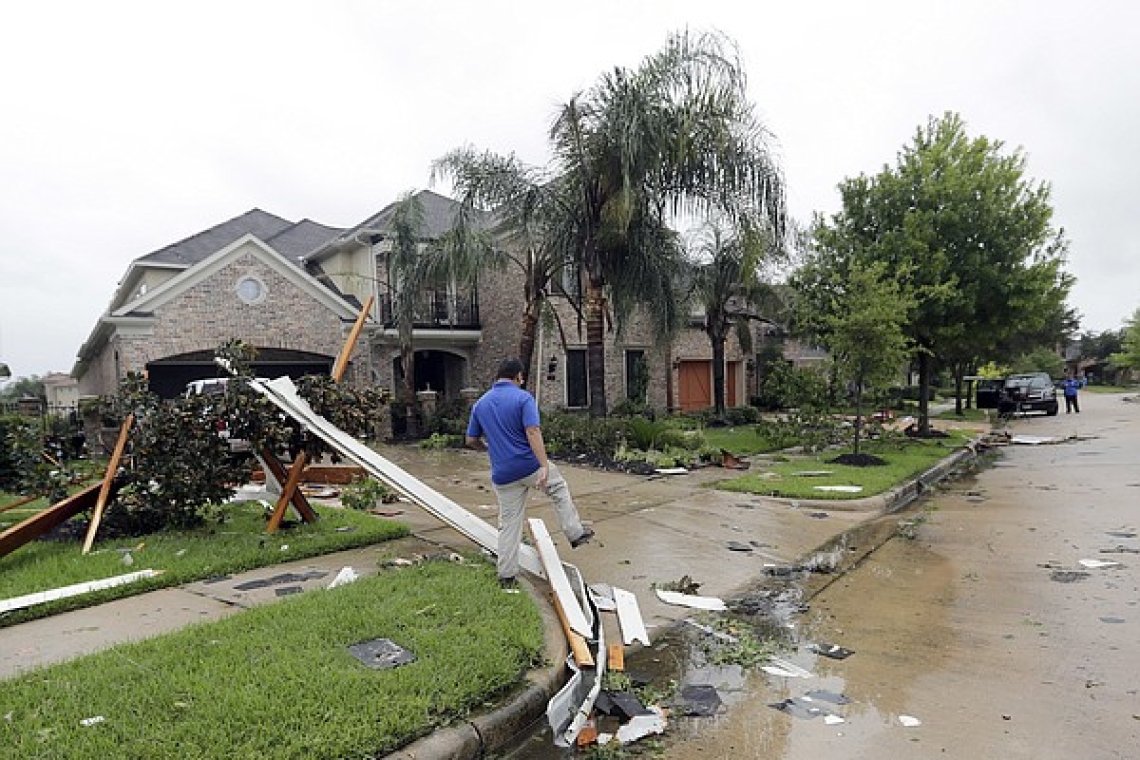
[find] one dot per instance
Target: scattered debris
(711, 603)
(813, 473)
(737, 546)
(697, 700)
(381, 654)
(840, 489)
(621, 704)
(280, 579)
(1121, 533)
(40, 597)
(784, 669)
(629, 617)
(730, 461)
(910, 721)
(822, 695)
(1033, 440)
(1097, 564)
(93, 720)
(832, 719)
(710, 631)
(819, 515)
(1068, 576)
(801, 708)
(671, 471)
(1111, 619)
(287, 590)
(833, 651)
(345, 576)
(642, 726)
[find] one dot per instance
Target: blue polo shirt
(501, 416)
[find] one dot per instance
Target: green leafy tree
(969, 238)
(676, 135)
(23, 387)
(859, 318)
(1039, 360)
(1129, 355)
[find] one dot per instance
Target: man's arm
(476, 443)
(538, 446)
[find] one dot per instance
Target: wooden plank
(616, 658)
(288, 496)
(283, 395)
(37, 525)
(19, 502)
(579, 647)
(629, 617)
(350, 343)
(556, 575)
(105, 489)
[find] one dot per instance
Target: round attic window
(250, 289)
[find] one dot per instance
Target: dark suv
(1028, 392)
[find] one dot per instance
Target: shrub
(567, 433)
(363, 494)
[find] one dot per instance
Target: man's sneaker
(509, 584)
(587, 534)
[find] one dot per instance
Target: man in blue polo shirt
(505, 424)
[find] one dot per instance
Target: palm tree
(405, 275)
(500, 195)
(727, 287)
(677, 136)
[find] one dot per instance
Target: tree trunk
(959, 373)
(526, 340)
(596, 347)
(924, 394)
(858, 413)
(408, 364)
(717, 337)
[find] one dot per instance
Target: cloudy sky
(126, 126)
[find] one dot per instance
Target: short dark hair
(509, 369)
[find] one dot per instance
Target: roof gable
(247, 244)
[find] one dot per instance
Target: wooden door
(695, 379)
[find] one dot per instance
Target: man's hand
(540, 481)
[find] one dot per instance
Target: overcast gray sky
(126, 126)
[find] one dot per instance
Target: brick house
(294, 290)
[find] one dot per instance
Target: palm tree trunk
(596, 347)
(718, 339)
(858, 414)
(526, 340)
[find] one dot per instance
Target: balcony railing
(437, 309)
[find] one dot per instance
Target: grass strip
(905, 460)
(235, 542)
(277, 681)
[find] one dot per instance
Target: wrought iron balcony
(437, 310)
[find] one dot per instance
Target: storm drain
(381, 654)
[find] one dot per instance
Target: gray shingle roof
(302, 238)
(201, 246)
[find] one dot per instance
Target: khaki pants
(512, 510)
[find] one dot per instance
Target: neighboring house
(293, 290)
(60, 391)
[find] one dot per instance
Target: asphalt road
(985, 627)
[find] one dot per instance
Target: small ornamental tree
(1129, 355)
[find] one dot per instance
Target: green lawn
(742, 440)
(905, 459)
(239, 542)
(278, 682)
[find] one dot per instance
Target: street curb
(496, 730)
(493, 731)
